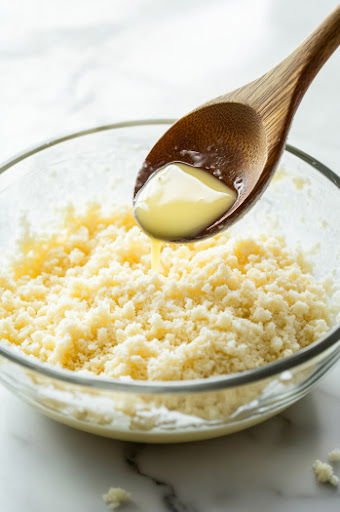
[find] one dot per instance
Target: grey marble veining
(68, 65)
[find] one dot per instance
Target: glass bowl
(302, 203)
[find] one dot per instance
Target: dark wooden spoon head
(227, 140)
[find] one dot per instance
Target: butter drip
(156, 247)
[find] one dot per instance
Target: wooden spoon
(240, 136)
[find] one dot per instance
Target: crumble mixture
(85, 298)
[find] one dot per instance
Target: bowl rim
(166, 387)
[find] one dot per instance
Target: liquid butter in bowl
(227, 331)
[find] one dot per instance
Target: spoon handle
(290, 79)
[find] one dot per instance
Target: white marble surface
(72, 64)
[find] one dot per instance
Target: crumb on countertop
(334, 455)
(325, 473)
(115, 497)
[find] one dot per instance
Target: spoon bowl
(228, 140)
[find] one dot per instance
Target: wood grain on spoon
(240, 136)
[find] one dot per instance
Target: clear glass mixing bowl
(302, 202)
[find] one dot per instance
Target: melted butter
(156, 247)
(179, 201)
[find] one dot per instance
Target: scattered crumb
(334, 455)
(316, 248)
(325, 473)
(115, 497)
(279, 175)
(300, 182)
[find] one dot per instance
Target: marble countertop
(69, 65)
